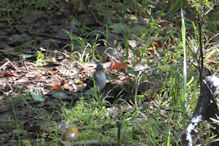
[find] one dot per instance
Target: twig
(12, 64)
(210, 40)
(26, 66)
(118, 131)
(136, 88)
(5, 64)
(201, 60)
(109, 92)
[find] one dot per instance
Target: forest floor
(49, 49)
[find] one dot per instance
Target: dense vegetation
(153, 53)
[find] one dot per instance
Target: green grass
(158, 121)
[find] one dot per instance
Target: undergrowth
(158, 121)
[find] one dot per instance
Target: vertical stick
(118, 132)
(201, 53)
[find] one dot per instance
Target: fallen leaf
(8, 74)
(156, 45)
(154, 96)
(81, 69)
(55, 87)
(63, 82)
(118, 65)
(54, 72)
(151, 50)
(58, 87)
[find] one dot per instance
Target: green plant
(83, 56)
(89, 117)
(183, 102)
(94, 50)
(40, 57)
(36, 95)
(26, 142)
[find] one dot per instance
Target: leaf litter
(26, 84)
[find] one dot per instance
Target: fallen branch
(206, 109)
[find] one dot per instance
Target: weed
(40, 57)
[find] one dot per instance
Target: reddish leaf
(55, 87)
(154, 96)
(118, 65)
(151, 50)
(54, 72)
(124, 65)
(149, 54)
(156, 45)
(159, 44)
(8, 74)
(81, 69)
(63, 82)
(59, 87)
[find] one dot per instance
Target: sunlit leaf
(211, 53)
(37, 96)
